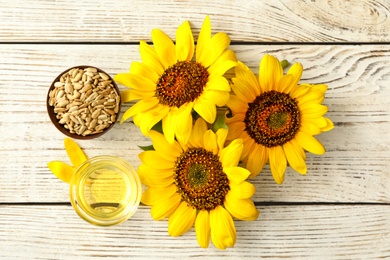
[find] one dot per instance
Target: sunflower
(276, 117)
(198, 184)
(170, 82)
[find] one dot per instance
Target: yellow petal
(278, 163)
(237, 105)
(236, 174)
(202, 228)
(165, 48)
(210, 142)
(296, 72)
(285, 83)
(150, 58)
(270, 72)
(216, 46)
(165, 208)
(141, 69)
(133, 94)
(294, 156)
(197, 134)
(206, 109)
(245, 74)
(155, 160)
(244, 190)
(231, 154)
(309, 143)
(317, 121)
(181, 220)
(235, 130)
(218, 83)
(184, 42)
(310, 128)
(168, 128)
(146, 120)
(221, 137)
(157, 178)
(299, 91)
(220, 98)
(226, 61)
(153, 195)
(135, 81)
(257, 158)
(75, 154)
(243, 90)
(242, 209)
(203, 39)
(313, 110)
(223, 231)
(139, 107)
(165, 149)
(61, 170)
(329, 125)
(182, 121)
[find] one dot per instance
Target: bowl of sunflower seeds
(83, 102)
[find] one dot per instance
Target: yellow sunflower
(198, 184)
(276, 117)
(170, 82)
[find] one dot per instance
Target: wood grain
(354, 169)
(298, 232)
(245, 21)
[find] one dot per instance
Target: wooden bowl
(88, 104)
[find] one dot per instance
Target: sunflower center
(272, 119)
(181, 83)
(200, 179)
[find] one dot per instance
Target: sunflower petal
(296, 72)
(198, 132)
(217, 45)
(243, 90)
(139, 107)
(141, 69)
(231, 154)
(165, 48)
(221, 138)
(270, 72)
(181, 220)
(226, 61)
(165, 149)
(182, 122)
(150, 58)
(244, 190)
(133, 94)
(203, 39)
(184, 42)
(210, 142)
(206, 109)
(242, 209)
(153, 195)
(168, 128)
(278, 163)
(202, 228)
(220, 98)
(329, 125)
(134, 81)
(257, 158)
(61, 170)
(155, 160)
(244, 73)
(218, 83)
(309, 143)
(294, 157)
(146, 120)
(165, 208)
(313, 110)
(236, 174)
(223, 231)
(237, 105)
(75, 154)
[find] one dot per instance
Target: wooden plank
(248, 21)
(354, 169)
(326, 232)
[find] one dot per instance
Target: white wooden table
(340, 210)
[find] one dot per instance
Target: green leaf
(158, 127)
(220, 120)
(147, 148)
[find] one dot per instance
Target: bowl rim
(55, 121)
